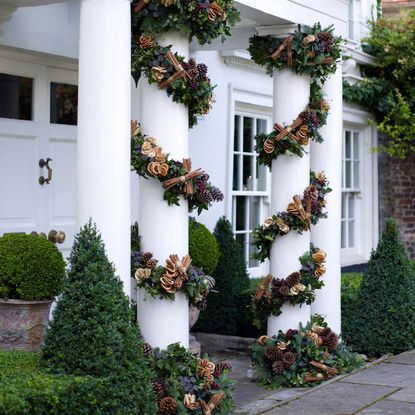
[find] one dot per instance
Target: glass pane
(348, 174)
(63, 104)
(262, 177)
(247, 172)
(252, 249)
(236, 133)
(351, 207)
(236, 172)
(356, 174)
(356, 145)
(16, 97)
(240, 237)
(348, 145)
(344, 205)
(254, 205)
(248, 134)
(240, 213)
(261, 126)
(351, 234)
(344, 236)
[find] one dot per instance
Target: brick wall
(397, 196)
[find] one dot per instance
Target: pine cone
(273, 353)
(293, 279)
(331, 341)
(278, 367)
(168, 406)
(325, 332)
(288, 359)
(145, 258)
(311, 193)
(147, 349)
(284, 291)
(158, 389)
(221, 366)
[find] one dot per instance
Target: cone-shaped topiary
(203, 248)
(224, 310)
(91, 332)
(384, 314)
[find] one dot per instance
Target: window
(250, 180)
(63, 103)
(16, 97)
(351, 188)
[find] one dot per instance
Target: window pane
(348, 145)
(254, 205)
(236, 172)
(261, 126)
(63, 104)
(252, 249)
(236, 133)
(348, 174)
(240, 237)
(344, 205)
(240, 213)
(356, 145)
(356, 174)
(344, 235)
(247, 172)
(351, 207)
(16, 97)
(351, 234)
(248, 134)
(262, 177)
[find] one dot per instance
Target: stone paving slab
(339, 398)
(407, 358)
(387, 374)
(387, 407)
(404, 395)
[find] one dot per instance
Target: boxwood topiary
(385, 308)
(350, 288)
(203, 248)
(91, 332)
(31, 268)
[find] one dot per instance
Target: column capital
(281, 30)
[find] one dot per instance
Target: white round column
(326, 234)
(103, 148)
(290, 176)
(164, 228)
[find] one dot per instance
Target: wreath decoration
(300, 214)
(178, 275)
(186, 82)
(309, 50)
(290, 139)
(303, 357)
(178, 179)
(298, 288)
(204, 20)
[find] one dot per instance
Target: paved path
(386, 388)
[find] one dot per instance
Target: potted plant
(31, 275)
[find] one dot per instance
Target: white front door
(38, 105)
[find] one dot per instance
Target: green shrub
(385, 308)
(224, 310)
(31, 268)
(350, 288)
(91, 333)
(203, 248)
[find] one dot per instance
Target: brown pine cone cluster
(311, 193)
(280, 288)
(222, 366)
(278, 367)
(147, 349)
(288, 359)
(281, 357)
(158, 388)
(293, 279)
(331, 341)
(273, 353)
(168, 406)
(148, 261)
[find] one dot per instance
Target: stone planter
(23, 324)
(194, 313)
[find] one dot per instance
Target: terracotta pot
(23, 324)
(193, 315)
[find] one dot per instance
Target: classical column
(290, 176)
(103, 149)
(163, 228)
(327, 233)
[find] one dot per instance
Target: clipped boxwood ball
(31, 268)
(203, 247)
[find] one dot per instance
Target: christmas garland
(291, 139)
(297, 288)
(176, 276)
(303, 357)
(204, 20)
(186, 82)
(185, 384)
(300, 214)
(309, 50)
(149, 161)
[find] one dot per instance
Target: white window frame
(367, 205)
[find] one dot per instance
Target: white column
(290, 176)
(163, 228)
(103, 149)
(326, 234)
